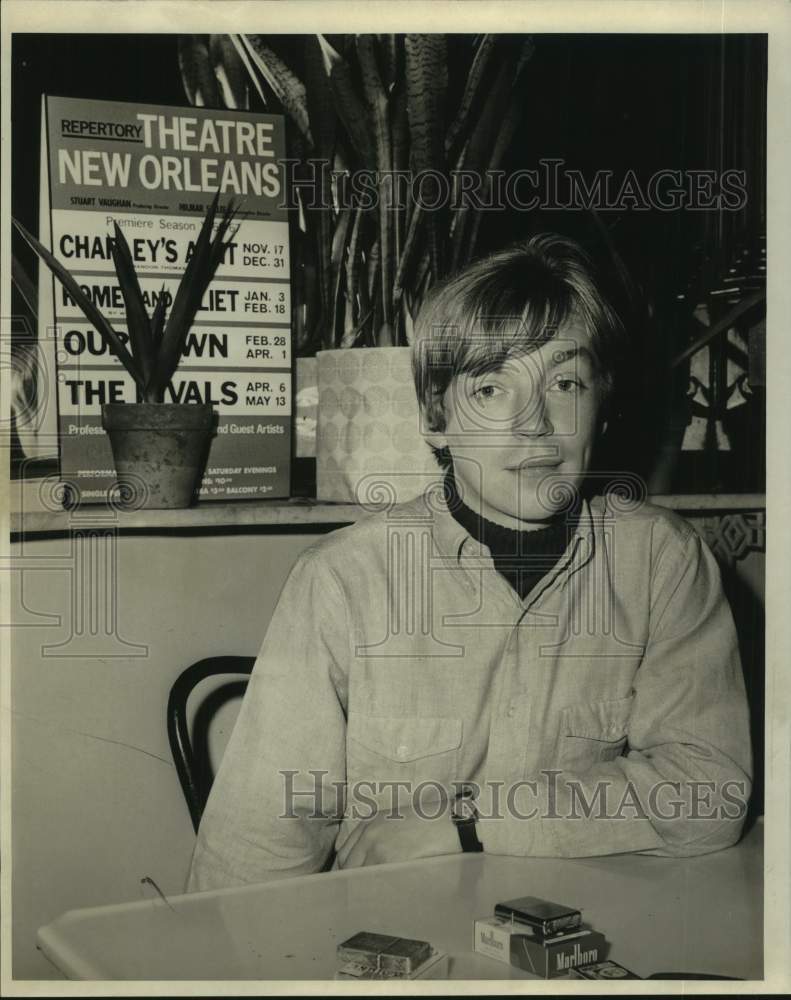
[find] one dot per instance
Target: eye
(486, 392)
(566, 384)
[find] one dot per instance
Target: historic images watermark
(549, 186)
(548, 796)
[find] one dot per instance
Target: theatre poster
(154, 170)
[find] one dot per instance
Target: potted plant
(384, 107)
(159, 448)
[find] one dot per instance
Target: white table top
(701, 915)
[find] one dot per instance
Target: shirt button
(511, 712)
(403, 750)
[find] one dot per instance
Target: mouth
(535, 463)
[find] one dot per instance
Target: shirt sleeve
(276, 803)
(682, 786)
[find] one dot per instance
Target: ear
(430, 418)
(436, 439)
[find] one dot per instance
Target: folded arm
(682, 786)
(277, 800)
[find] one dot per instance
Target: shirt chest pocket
(384, 748)
(592, 733)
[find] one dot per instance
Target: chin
(531, 512)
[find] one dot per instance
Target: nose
(532, 420)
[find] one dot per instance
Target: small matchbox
(603, 970)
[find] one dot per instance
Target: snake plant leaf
(407, 314)
(350, 338)
(388, 51)
(219, 243)
(137, 322)
(407, 225)
(324, 232)
(322, 118)
(478, 151)
(399, 130)
(374, 264)
(305, 312)
(360, 277)
(197, 73)
(372, 260)
(426, 80)
(526, 50)
(158, 318)
(324, 129)
(185, 305)
(348, 106)
(285, 84)
(90, 311)
(230, 72)
(416, 220)
(505, 136)
(339, 249)
(472, 93)
(244, 56)
(352, 269)
(407, 254)
(315, 211)
(194, 282)
(422, 274)
(489, 143)
(376, 100)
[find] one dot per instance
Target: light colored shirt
(603, 713)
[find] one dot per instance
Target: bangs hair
(506, 306)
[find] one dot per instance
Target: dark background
(598, 102)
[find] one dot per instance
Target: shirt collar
(454, 542)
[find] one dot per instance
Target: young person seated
(514, 661)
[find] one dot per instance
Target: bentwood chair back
(189, 740)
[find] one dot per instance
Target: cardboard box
(546, 958)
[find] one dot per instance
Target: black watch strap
(464, 816)
(468, 836)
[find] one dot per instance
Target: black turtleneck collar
(522, 557)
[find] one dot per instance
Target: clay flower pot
(159, 450)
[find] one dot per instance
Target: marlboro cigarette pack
(508, 942)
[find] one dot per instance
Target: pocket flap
(600, 720)
(404, 739)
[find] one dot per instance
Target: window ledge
(33, 516)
